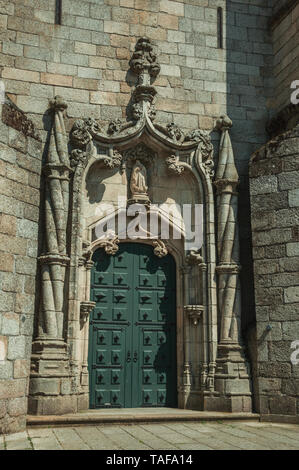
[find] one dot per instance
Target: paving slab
(123, 439)
(69, 439)
(95, 439)
(46, 443)
(277, 438)
(187, 435)
(245, 439)
(153, 440)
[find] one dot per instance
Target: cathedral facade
(149, 207)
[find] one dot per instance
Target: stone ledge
(95, 417)
(288, 419)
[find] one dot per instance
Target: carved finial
(58, 104)
(144, 59)
(226, 171)
(224, 122)
(144, 64)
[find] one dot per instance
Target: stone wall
(274, 188)
(285, 34)
(20, 164)
(85, 60)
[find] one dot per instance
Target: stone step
(137, 415)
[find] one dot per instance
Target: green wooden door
(132, 338)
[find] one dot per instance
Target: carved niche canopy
(119, 134)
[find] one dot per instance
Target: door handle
(129, 356)
(135, 356)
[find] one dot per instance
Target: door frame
(177, 255)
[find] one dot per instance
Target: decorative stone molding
(194, 312)
(86, 258)
(228, 268)
(82, 133)
(110, 245)
(54, 259)
(174, 166)
(142, 153)
(85, 309)
(113, 161)
(114, 127)
(160, 249)
(174, 132)
(14, 117)
(86, 132)
(194, 258)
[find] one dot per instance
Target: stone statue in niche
(138, 182)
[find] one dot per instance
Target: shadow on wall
(248, 61)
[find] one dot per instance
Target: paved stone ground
(166, 436)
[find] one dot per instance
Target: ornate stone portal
(139, 161)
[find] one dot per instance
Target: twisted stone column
(226, 182)
(232, 370)
(50, 361)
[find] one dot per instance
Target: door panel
(132, 346)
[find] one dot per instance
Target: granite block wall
(285, 34)
(274, 190)
(20, 166)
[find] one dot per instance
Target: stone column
(232, 382)
(50, 375)
(86, 307)
(186, 382)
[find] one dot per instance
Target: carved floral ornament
(14, 117)
(111, 247)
